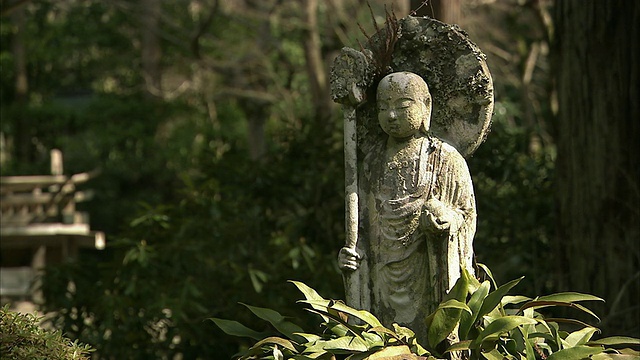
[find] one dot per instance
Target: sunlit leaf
(277, 354)
(403, 332)
(454, 304)
(489, 274)
(310, 295)
(615, 340)
(337, 325)
(569, 297)
(373, 340)
(385, 331)
(308, 292)
(575, 353)
(499, 326)
(308, 337)
(277, 341)
(363, 315)
(475, 303)
(605, 356)
(581, 336)
(517, 299)
(494, 298)
(390, 352)
(537, 304)
(346, 343)
(459, 346)
(566, 321)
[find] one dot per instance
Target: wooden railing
(38, 214)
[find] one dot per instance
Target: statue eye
(404, 104)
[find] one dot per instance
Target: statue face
(402, 108)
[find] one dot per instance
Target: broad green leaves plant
(487, 325)
(338, 336)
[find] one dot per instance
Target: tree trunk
(447, 11)
(315, 64)
(150, 46)
(22, 137)
(598, 167)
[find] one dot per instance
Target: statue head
(404, 105)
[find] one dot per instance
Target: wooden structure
(39, 224)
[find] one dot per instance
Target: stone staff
(351, 74)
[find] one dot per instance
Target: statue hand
(437, 223)
(436, 216)
(348, 259)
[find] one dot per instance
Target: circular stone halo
(456, 72)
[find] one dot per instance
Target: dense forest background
(220, 154)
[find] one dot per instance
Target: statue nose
(393, 114)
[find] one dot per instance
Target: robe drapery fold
(407, 266)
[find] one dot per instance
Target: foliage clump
(22, 338)
(472, 322)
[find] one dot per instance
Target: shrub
(22, 338)
(486, 325)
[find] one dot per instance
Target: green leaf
(489, 274)
(363, 315)
(235, 328)
(383, 330)
(580, 337)
(547, 336)
(390, 352)
(615, 340)
(258, 278)
(454, 304)
(575, 353)
(345, 343)
(277, 341)
(317, 355)
(493, 355)
(373, 340)
(445, 319)
(309, 337)
(524, 339)
(567, 321)
(336, 328)
(475, 303)
(278, 321)
(472, 283)
(308, 292)
(528, 346)
(569, 297)
(499, 326)
(517, 299)
(537, 304)
(403, 332)
(495, 298)
(605, 356)
(459, 346)
(337, 325)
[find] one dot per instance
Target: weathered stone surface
(457, 74)
(415, 202)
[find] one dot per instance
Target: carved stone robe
(408, 267)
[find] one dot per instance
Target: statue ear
(426, 123)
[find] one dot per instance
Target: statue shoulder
(446, 148)
(450, 155)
